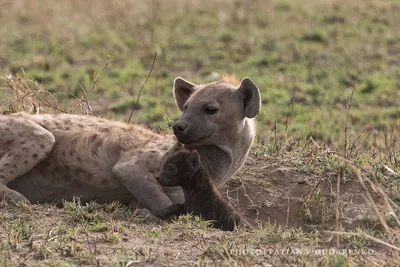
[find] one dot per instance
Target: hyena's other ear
(195, 160)
(182, 91)
(250, 95)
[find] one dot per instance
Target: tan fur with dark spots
(50, 157)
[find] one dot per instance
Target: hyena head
(214, 112)
(179, 168)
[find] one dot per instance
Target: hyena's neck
(223, 160)
(216, 161)
(241, 148)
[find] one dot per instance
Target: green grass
(314, 52)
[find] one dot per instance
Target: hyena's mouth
(188, 140)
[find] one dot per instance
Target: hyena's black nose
(179, 127)
(157, 178)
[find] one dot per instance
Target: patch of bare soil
(267, 191)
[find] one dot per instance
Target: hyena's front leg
(23, 144)
(143, 186)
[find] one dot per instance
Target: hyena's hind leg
(23, 144)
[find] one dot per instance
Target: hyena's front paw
(171, 212)
(12, 197)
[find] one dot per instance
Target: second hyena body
(184, 169)
(55, 157)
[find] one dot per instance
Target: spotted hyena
(54, 157)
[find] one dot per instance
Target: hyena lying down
(49, 158)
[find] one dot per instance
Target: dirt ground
(279, 194)
(291, 209)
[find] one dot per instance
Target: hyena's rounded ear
(195, 159)
(182, 91)
(250, 94)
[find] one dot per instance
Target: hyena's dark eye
(171, 168)
(210, 110)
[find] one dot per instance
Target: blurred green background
(312, 51)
